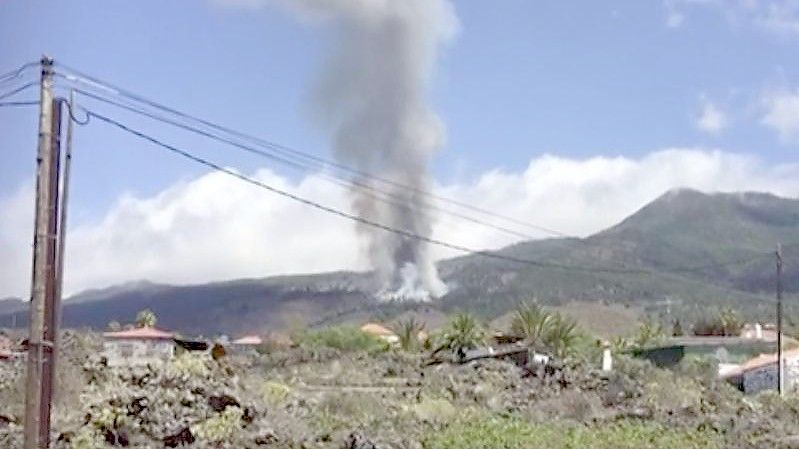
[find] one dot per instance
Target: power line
(700, 268)
(369, 190)
(7, 104)
(290, 158)
(347, 215)
(292, 154)
(16, 73)
(86, 79)
(99, 84)
(18, 89)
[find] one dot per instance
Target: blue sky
(523, 78)
(577, 80)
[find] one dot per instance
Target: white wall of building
(128, 352)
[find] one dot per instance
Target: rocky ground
(325, 398)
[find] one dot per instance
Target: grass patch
(343, 338)
(275, 393)
(512, 433)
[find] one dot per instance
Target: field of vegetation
(337, 387)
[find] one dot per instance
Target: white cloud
(782, 114)
(711, 118)
(674, 19)
(780, 17)
(216, 227)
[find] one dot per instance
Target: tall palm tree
(408, 332)
(561, 335)
(549, 331)
(462, 332)
(531, 322)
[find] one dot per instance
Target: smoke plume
(372, 99)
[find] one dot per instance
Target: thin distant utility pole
(43, 328)
(62, 226)
(780, 372)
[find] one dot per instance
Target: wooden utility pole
(43, 328)
(780, 367)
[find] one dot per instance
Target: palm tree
(408, 332)
(462, 332)
(530, 322)
(146, 318)
(561, 334)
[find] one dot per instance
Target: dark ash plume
(373, 100)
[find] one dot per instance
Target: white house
(140, 346)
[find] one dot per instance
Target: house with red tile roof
(380, 331)
(138, 346)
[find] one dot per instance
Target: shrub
(275, 393)
(187, 365)
(87, 438)
(727, 323)
(220, 427)
(648, 334)
(435, 410)
(704, 369)
(343, 338)
(512, 433)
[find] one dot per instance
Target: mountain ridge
(681, 228)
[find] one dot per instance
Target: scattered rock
(220, 403)
(357, 441)
(5, 420)
(182, 438)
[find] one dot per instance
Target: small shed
(140, 346)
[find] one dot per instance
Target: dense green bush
(727, 322)
(343, 338)
(511, 433)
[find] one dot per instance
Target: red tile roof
(253, 340)
(377, 330)
(141, 333)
